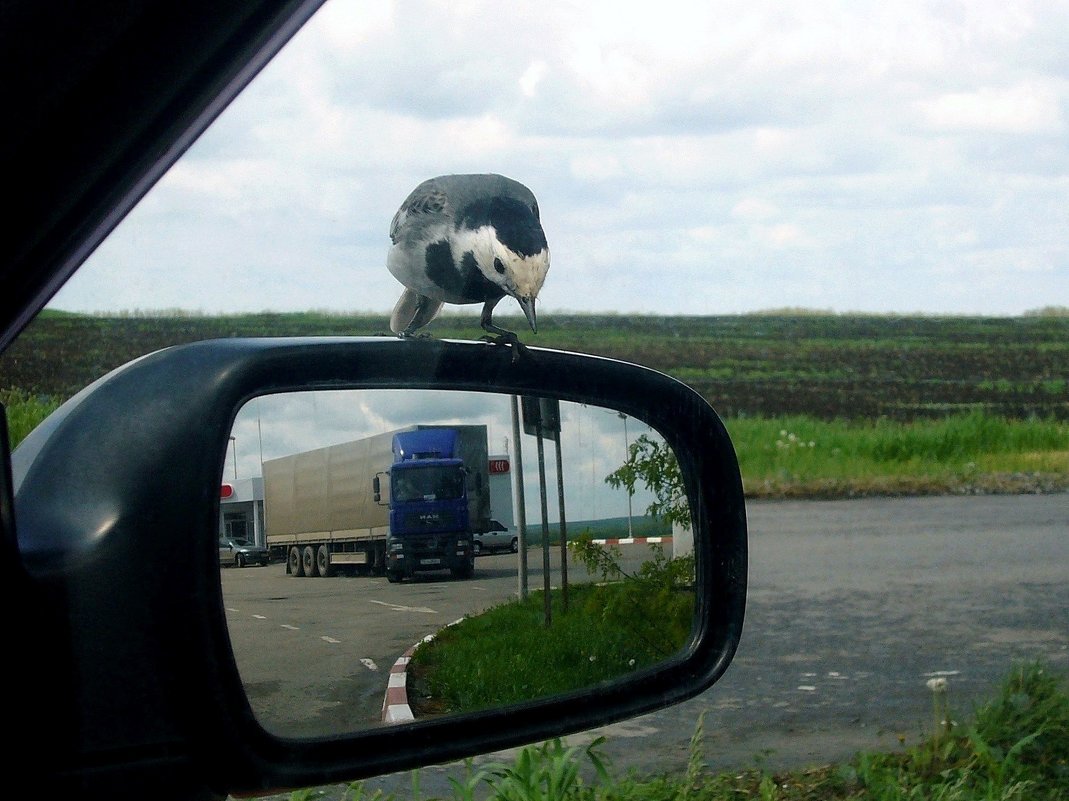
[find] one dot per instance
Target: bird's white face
(518, 275)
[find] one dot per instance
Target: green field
(822, 366)
(816, 404)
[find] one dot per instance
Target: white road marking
(330, 640)
(291, 628)
(369, 663)
(260, 617)
(398, 608)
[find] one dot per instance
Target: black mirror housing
(146, 683)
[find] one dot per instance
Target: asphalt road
(853, 606)
(315, 654)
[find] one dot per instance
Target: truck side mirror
(376, 488)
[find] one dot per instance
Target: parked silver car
(238, 553)
(499, 538)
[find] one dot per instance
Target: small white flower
(938, 685)
(783, 432)
(812, 444)
(593, 658)
(630, 662)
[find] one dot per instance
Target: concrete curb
(395, 708)
(634, 541)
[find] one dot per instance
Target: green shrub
(25, 412)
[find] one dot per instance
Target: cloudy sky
(594, 439)
(691, 158)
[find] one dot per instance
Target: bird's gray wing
(413, 311)
(428, 200)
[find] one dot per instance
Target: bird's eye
(499, 266)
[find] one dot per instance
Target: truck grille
(434, 521)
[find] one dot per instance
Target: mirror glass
(384, 554)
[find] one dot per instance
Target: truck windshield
(427, 483)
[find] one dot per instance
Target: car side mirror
(123, 481)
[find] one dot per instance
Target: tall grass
(778, 454)
(25, 412)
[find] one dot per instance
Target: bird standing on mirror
(467, 239)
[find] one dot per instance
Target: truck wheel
(515, 545)
(308, 561)
(393, 576)
(323, 564)
(240, 560)
(295, 565)
(476, 547)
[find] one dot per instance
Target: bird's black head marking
(516, 223)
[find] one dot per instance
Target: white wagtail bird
(467, 239)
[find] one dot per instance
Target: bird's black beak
(528, 306)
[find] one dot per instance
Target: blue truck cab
(430, 527)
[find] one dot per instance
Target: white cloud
(1023, 109)
(686, 151)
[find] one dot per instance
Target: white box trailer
(322, 512)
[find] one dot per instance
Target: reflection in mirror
(365, 522)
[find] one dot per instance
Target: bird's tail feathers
(413, 311)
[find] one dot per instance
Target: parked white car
(499, 538)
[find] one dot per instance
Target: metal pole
(517, 494)
(627, 456)
(545, 528)
(260, 434)
(235, 441)
(563, 531)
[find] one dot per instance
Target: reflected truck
(395, 504)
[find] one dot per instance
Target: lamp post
(235, 441)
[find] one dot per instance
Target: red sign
(226, 490)
(499, 466)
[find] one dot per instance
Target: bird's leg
(502, 336)
(486, 321)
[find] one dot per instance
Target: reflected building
(241, 510)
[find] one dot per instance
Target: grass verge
(802, 457)
(508, 655)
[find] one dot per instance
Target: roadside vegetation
(25, 412)
(975, 452)
(618, 625)
(1014, 748)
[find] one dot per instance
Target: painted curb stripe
(633, 541)
(395, 708)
